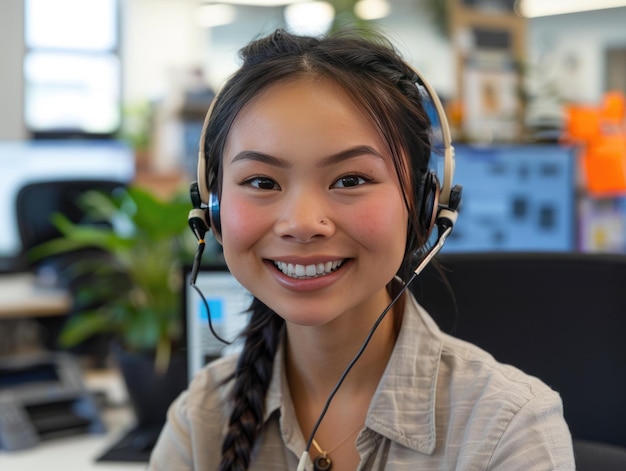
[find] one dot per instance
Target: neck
(317, 356)
(314, 364)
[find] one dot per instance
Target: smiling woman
(315, 160)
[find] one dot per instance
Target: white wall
(159, 40)
(570, 50)
(160, 37)
(11, 53)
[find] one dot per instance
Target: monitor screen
(515, 198)
(227, 302)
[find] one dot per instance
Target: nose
(304, 218)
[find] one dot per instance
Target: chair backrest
(37, 202)
(560, 317)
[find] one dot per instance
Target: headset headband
(448, 149)
(201, 177)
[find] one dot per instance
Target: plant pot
(149, 391)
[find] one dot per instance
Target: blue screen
(515, 198)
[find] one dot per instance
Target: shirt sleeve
(172, 451)
(536, 439)
(192, 436)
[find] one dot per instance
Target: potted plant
(134, 294)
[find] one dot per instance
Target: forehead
(306, 106)
(306, 90)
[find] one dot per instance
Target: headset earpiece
(214, 214)
(197, 216)
(427, 203)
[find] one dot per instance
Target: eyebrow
(326, 162)
(260, 157)
(349, 154)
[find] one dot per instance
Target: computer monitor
(515, 198)
(227, 302)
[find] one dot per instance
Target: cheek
(382, 223)
(242, 224)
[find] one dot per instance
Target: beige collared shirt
(442, 404)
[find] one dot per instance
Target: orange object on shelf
(582, 123)
(614, 108)
(601, 132)
(604, 165)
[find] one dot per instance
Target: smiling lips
(308, 271)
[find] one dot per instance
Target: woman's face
(313, 218)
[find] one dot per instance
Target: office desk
(24, 302)
(79, 452)
(22, 296)
(74, 453)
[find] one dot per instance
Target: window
(72, 68)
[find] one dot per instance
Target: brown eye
(263, 183)
(349, 181)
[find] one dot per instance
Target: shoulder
(470, 377)
(207, 393)
(463, 364)
(485, 411)
(466, 370)
(198, 415)
(496, 410)
(210, 386)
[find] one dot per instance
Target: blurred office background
(112, 92)
(108, 93)
(518, 80)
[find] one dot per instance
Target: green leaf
(76, 236)
(158, 219)
(136, 286)
(82, 326)
(100, 205)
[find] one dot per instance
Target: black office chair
(35, 204)
(560, 317)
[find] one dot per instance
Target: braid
(252, 378)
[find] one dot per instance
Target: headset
(438, 205)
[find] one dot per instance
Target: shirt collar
(403, 406)
(274, 396)
(278, 401)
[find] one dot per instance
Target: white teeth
(308, 271)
